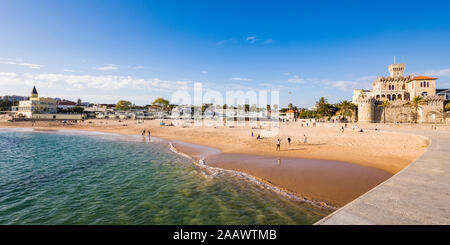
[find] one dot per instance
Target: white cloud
(69, 70)
(78, 82)
(9, 78)
(296, 79)
(345, 85)
(19, 63)
(251, 39)
(107, 67)
(204, 72)
(221, 42)
(240, 79)
(439, 73)
(8, 74)
(138, 67)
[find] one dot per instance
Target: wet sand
(335, 183)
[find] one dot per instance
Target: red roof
(66, 102)
(424, 78)
(290, 111)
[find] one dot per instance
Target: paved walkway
(419, 194)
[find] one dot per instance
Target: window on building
(424, 94)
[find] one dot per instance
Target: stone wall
(399, 111)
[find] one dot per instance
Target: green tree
(78, 109)
(5, 105)
(284, 110)
(123, 105)
(345, 109)
(447, 106)
(324, 109)
(161, 102)
(385, 104)
(246, 107)
(290, 106)
(416, 102)
(305, 114)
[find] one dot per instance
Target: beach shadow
(293, 149)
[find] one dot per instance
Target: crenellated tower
(396, 70)
(366, 109)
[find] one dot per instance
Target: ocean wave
(213, 171)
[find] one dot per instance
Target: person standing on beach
(148, 133)
(305, 139)
(342, 129)
(143, 133)
(252, 133)
(289, 140)
(278, 144)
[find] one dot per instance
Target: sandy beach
(355, 161)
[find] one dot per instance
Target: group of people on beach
(305, 140)
(143, 132)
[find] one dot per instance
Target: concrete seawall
(419, 194)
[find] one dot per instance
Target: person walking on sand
(148, 133)
(143, 133)
(252, 133)
(342, 129)
(278, 144)
(305, 139)
(289, 140)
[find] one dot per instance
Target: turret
(34, 93)
(396, 70)
(366, 108)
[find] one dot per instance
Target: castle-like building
(41, 108)
(36, 105)
(399, 89)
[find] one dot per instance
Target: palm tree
(345, 108)
(385, 104)
(416, 102)
(290, 106)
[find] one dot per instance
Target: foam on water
(213, 171)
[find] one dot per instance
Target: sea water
(64, 177)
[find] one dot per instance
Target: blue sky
(103, 51)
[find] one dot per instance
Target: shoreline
(324, 182)
(254, 180)
(350, 179)
(382, 149)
